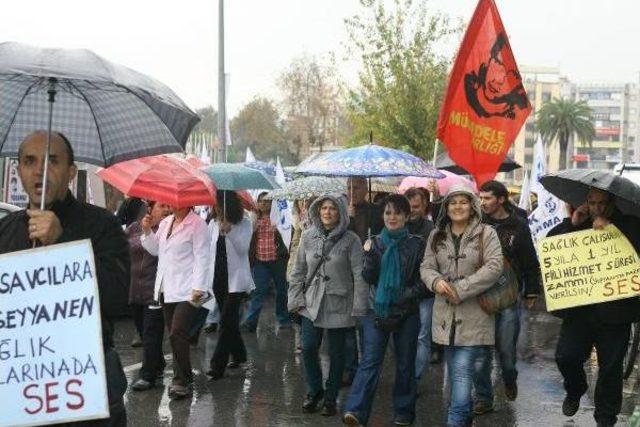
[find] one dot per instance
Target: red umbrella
(164, 179)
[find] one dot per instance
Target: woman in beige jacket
(463, 259)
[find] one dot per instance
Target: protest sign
(588, 267)
(51, 355)
(13, 191)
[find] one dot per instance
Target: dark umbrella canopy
(573, 185)
(110, 113)
(443, 161)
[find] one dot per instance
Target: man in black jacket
(605, 325)
(65, 219)
(517, 247)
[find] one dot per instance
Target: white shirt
(237, 245)
(183, 258)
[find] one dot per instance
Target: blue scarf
(389, 289)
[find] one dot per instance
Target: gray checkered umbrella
(110, 113)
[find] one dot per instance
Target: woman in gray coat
(327, 290)
(462, 260)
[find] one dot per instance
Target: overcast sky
(176, 41)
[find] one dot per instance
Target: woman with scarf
(391, 267)
(327, 290)
(462, 260)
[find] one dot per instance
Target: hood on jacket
(314, 213)
(456, 190)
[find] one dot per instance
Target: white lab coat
(183, 258)
(237, 244)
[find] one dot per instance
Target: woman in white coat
(229, 271)
(182, 247)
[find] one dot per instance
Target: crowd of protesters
(413, 268)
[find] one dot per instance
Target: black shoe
(247, 328)
(310, 403)
(211, 328)
(142, 385)
(329, 409)
(511, 391)
(136, 343)
(234, 365)
(570, 406)
(214, 375)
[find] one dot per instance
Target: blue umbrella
(236, 176)
(369, 161)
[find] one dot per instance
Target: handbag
(504, 293)
(387, 324)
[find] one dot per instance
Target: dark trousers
(577, 338)
(230, 341)
(179, 318)
(137, 311)
(311, 341)
(153, 362)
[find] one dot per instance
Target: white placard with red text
(51, 355)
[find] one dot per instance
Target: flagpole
(435, 155)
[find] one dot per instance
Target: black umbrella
(573, 185)
(443, 161)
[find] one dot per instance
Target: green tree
(562, 119)
(258, 126)
(403, 78)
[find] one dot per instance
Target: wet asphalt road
(269, 389)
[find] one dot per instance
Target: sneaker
(142, 385)
(511, 391)
(350, 419)
(179, 391)
(329, 409)
(481, 408)
(570, 406)
(137, 342)
(402, 422)
(310, 403)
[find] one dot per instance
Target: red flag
(485, 104)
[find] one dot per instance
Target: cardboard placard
(588, 267)
(51, 356)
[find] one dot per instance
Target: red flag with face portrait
(485, 104)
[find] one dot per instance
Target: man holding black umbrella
(65, 219)
(605, 325)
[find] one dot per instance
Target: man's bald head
(59, 136)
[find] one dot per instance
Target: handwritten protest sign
(588, 267)
(51, 358)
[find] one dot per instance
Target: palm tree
(562, 119)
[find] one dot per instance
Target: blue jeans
(263, 273)
(460, 366)
(364, 385)
(424, 338)
(311, 338)
(507, 331)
